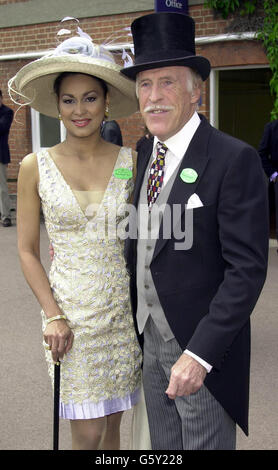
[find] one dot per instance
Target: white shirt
(177, 146)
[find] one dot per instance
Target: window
(46, 131)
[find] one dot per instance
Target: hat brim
(35, 81)
(198, 63)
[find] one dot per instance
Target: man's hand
(187, 376)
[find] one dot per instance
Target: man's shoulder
(144, 143)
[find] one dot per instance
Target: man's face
(167, 99)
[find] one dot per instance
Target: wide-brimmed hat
(78, 54)
(163, 40)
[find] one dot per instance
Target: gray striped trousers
(195, 422)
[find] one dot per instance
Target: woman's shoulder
(29, 161)
(29, 166)
(28, 172)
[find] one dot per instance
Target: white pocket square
(194, 201)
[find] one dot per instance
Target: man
(192, 300)
(268, 151)
(6, 118)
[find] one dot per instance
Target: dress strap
(125, 158)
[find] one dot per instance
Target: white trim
(239, 67)
(23, 55)
(38, 54)
(249, 36)
(35, 130)
(213, 97)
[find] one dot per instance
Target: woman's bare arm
(57, 333)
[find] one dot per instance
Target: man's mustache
(151, 108)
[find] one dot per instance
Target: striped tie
(156, 175)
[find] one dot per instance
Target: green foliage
(227, 7)
(268, 34)
(248, 7)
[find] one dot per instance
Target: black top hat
(163, 40)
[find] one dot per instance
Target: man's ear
(196, 94)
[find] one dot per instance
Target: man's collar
(179, 142)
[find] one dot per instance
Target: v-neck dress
(101, 373)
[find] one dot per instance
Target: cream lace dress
(101, 374)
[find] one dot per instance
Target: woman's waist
(72, 268)
(83, 252)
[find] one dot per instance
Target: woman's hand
(59, 336)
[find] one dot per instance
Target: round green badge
(122, 173)
(188, 175)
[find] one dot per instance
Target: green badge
(122, 173)
(188, 175)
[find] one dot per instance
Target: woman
(86, 314)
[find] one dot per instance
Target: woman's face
(81, 103)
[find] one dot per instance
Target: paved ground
(25, 392)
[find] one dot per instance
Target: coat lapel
(143, 158)
(196, 157)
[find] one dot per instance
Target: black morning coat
(208, 292)
(6, 119)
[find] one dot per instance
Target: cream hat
(34, 82)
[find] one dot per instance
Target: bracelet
(58, 317)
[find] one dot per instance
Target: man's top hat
(163, 40)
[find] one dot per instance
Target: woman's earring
(60, 117)
(106, 112)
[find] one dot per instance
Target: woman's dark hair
(60, 78)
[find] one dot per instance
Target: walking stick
(56, 405)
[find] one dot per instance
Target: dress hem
(90, 410)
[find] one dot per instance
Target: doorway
(245, 103)
(244, 106)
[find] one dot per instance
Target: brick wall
(43, 36)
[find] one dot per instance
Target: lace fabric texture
(91, 286)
